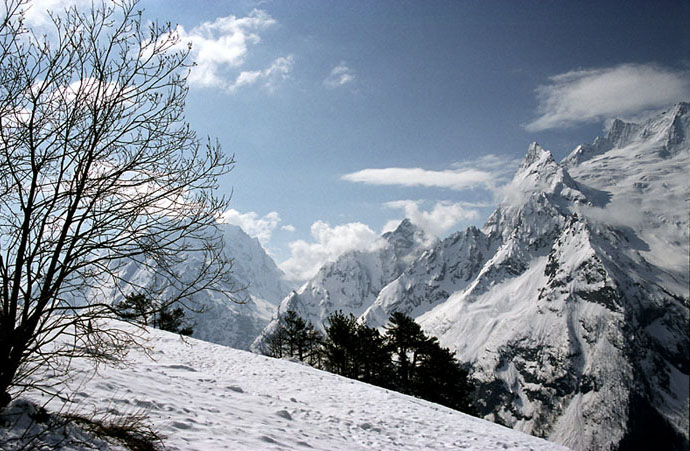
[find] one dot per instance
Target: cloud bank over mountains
(594, 95)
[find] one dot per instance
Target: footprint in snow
(180, 367)
(284, 414)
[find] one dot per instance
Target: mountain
(570, 305)
(202, 396)
(577, 326)
(254, 277)
(352, 282)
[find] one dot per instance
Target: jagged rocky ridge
(571, 303)
(352, 282)
(255, 280)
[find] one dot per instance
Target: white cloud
(36, 14)
(220, 48)
(594, 95)
(329, 243)
(288, 228)
(340, 75)
(487, 172)
(452, 179)
(277, 71)
(260, 227)
(442, 217)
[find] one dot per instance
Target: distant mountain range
(255, 279)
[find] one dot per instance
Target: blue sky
(345, 117)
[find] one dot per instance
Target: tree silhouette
(98, 169)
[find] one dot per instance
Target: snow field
(202, 396)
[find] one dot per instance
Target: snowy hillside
(571, 303)
(203, 396)
(254, 273)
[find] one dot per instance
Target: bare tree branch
(98, 170)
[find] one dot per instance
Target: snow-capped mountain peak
(570, 304)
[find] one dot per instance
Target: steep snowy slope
(353, 281)
(221, 398)
(577, 326)
(443, 269)
(254, 273)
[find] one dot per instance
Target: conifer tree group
(138, 308)
(404, 358)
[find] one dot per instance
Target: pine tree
(340, 344)
(136, 307)
(172, 320)
(405, 337)
(439, 378)
(373, 355)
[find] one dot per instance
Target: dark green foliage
(439, 378)
(355, 350)
(425, 369)
(340, 344)
(294, 337)
(406, 339)
(136, 307)
(172, 320)
(374, 356)
(140, 309)
(273, 343)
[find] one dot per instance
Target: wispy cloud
(256, 226)
(328, 244)
(220, 48)
(443, 216)
(36, 13)
(597, 94)
(340, 75)
(279, 70)
(487, 172)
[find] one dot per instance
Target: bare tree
(98, 169)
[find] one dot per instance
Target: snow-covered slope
(352, 282)
(577, 326)
(216, 319)
(215, 397)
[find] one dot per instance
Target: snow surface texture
(571, 303)
(254, 273)
(204, 396)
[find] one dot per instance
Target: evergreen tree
(314, 346)
(440, 379)
(405, 337)
(340, 344)
(296, 335)
(135, 307)
(273, 343)
(404, 359)
(373, 355)
(140, 309)
(173, 320)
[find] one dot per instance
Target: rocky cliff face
(255, 279)
(577, 326)
(353, 281)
